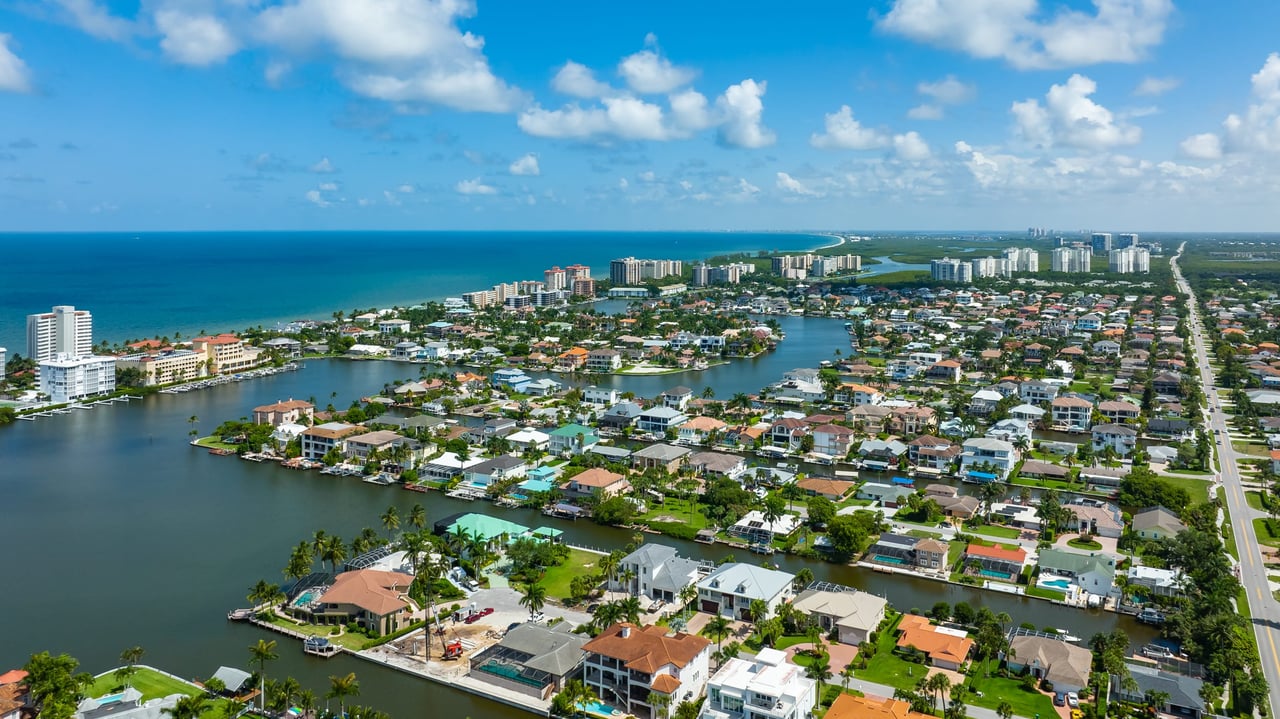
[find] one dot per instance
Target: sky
(1122, 115)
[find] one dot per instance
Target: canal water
(121, 534)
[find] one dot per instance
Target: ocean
(161, 283)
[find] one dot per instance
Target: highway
(1253, 575)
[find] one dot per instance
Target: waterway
(121, 534)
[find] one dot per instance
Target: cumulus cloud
(1069, 118)
(1153, 86)
(194, 39)
(474, 187)
(579, 81)
(1020, 33)
(843, 132)
(1256, 130)
(97, 20)
(323, 167)
(317, 199)
(743, 112)
(1205, 146)
(650, 73)
(926, 112)
(790, 184)
(14, 75)
(947, 91)
(911, 147)
(527, 165)
(402, 51)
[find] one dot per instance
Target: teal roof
(547, 532)
(573, 430)
(1076, 563)
(535, 485)
(486, 527)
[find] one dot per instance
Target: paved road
(1253, 575)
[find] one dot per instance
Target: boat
(239, 615)
(320, 647)
(761, 548)
(1151, 616)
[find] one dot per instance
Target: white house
(730, 589)
(1117, 437)
(660, 419)
(986, 455)
(656, 571)
(768, 687)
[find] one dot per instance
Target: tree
(390, 520)
(687, 710)
(261, 653)
(821, 511)
(846, 676)
(1004, 710)
(342, 687)
(534, 598)
(130, 657)
(418, 517)
(937, 687)
(718, 628)
(55, 688)
(804, 578)
(334, 551)
(659, 701)
(819, 670)
(187, 707)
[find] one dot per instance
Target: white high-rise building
(990, 267)
(67, 378)
(769, 687)
(1022, 259)
(4, 359)
(949, 270)
(65, 331)
(701, 275)
(555, 279)
(1130, 260)
(1071, 259)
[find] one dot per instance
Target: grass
(353, 642)
(901, 277)
(557, 579)
(151, 683)
(1228, 534)
(215, 443)
(955, 550)
(1267, 531)
(1197, 488)
(995, 530)
(889, 668)
(1255, 500)
(999, 689)
(684, 510)
(1084, 544)
(1034, 591)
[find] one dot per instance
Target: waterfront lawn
(1035, 591)
(999, 689)
(353, 642)
(683, 511)
(151, 683)
(558, 579)
(215, 443)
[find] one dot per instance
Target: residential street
(1253, 575)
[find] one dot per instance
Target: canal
(121, 534)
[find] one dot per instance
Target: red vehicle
(478, 615)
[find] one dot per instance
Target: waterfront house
(1035, 469)
(1157, 523)
(1155, 581)
(881, 454)
(658, 420)
(1174, 429)
(510, 379)
(620, 416)
(886, 495)
(1181, 692)
(376, 600)
(595, 481)
(317, 441)
(1097, 518)
(291, 411)
(286, 347)
(902, 550)
(407, 350)
(667, 457)
(1029, 413)
(996, 562)
(604, 361)
(766, 687)
(498, 469)
(932, 453)
(1064, 665)
(755, 528)
(656, 571)
(849, 706)
(447, 466)
(676, 398)
(361, 447)
(986, 459)
(832, 440)
(854, 614)
(1071, 413)
(227, 353)
(1119, 412)
(572, 439)
(833, 489)
(944, 647)
(786, 433)
(531, 659)
(717, 464)
(730, 589)
(1094, 573)
(528, 438)
(600, 396)
(627, 664)
(1116, 437)
(701, 430)
(544, 387)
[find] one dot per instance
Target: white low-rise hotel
(767, 688)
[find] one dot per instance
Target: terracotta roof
(596, 477)
(916, 631)
(665, 683)
(1008, 555)
(13, 676)
(1071, 402)
(646, 649)
(374, 591)
(704, 423)
(284, 406)
(848, 706)
(833, 487)
(9, 697)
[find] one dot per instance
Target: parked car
(1059, 699)
(479, 615)
(1073, 699)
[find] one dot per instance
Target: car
(473, 585)
(1077, 714)
(1073, 699)
(1059, 699)
(537, 617)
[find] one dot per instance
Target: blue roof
(535, 485)
(904, 481)
(981, 475)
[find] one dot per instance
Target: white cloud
(1069, 118)
(315, 198)
(843, 132)
(947, 91)
(647, 176)
(276, 71)
(97, 20)
(396, 50)
(194, 39)
(328, 187)
(911, 147)
(579, 81)
(405, 189)
(649, 73)
(323, 167)
(743, 111)
(689, 111)
(1153, 86)
(527, 165)
(475, 187)
(925, 112)
(1205, 146)
(623, 184)
(1019, 32)
(14, 75)
(790, 184)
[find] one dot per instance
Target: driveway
(841, 655)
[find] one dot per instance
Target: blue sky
(449, 114)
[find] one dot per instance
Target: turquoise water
(598, 708)
(141, 285)
(508, 672)
(989, 573)
(890, 560)
(111, 699)
(304, 599)
(1062, 584)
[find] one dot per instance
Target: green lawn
(1267, 531)
(998, 689)
(353, 642)
(1034, 591)
(557, 579)
(1255, 500)
(1197, 488)
(152, 684)
(684, 511)
(995, 530)
(215, 443)
(1084, 544)
(889, 668)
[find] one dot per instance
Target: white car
(1073, 700)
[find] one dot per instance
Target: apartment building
(63, 331)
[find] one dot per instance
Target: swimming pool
(890, 560)
(1061, 584)
(599, 708)
(305, 598)
(990, 573)
(110, 699)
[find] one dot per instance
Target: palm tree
(390, 520)
(342, 687)
(1004, 710)
(687, 595)
(413, 544)
(937, 686)
(187, 707)
(758, 610)
(131, 657)
(418, 517)
(307, 703)
(318, 541)
(334, 551)
(261, 653)
(718, 629)
(534, 598)
(608, 614)
(631, 609)
(608, 565)
(846, 675)
(659, 701)
(819, 670)
(289, 690)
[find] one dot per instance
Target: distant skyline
(1115, 115)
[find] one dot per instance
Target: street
(1253, 575)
